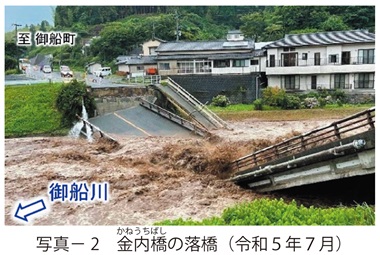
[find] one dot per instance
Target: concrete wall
(238, 88)
(123, 68)
(113, 99)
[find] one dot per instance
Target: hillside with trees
(116, 30)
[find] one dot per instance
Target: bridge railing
(175, 118)
(101, 132)
(337, 130)
(211, 116)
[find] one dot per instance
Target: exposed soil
(150, 179)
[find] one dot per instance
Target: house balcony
(320, 66)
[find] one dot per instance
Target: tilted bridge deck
(182, 99)
(344, 148)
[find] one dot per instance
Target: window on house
(254, 62)
(152, 50)
(313, 82)
(340, 81)
(238, 63)
(164, 66)
(304, 56)
(272, 62)
(317, 58)
(289, 49)
(366, 56)
(364, 80)
(333, 58)
(203, 66)
(291, 82)
(185, 67)
(140, 68)
(289, 59)
(346, 57)
(221, 63)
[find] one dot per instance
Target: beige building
(141, 64)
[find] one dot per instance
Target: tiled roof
(324, 38)
(210, 56)
(143, 60)
(203, 46)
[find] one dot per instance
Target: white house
(331, 60)
(234, 55)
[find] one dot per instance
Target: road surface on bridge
(138, 121)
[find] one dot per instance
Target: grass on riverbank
(30, 110)
(246, 111)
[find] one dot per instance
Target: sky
(27, 15)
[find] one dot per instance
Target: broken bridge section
(138, 121)
(183, 100)
(345, 148)
(148, 119)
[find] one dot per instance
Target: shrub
(290, 102)
(221, 101)
(69, 102)
(12, 71)
(277, 212)
(339, 94)
(324, 93)
(329, 100)
(258, 104)
(311, 102)
(322, 102)
(273, 96)
(313, 94)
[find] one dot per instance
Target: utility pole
(17, 56)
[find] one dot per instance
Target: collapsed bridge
(343, 149)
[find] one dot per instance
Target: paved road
(36, 76)
(32, 76)
(138, 121)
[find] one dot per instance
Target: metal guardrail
(175, 118)
(201, 108)
(145, 79)
(101, 132)
(323, 135)
(292, 163)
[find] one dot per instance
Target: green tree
(273, 32)
(360, 17)
(69, 102)
(334, 23)
(44, 26)
(253, 25)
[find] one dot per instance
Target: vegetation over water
(279, 213)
